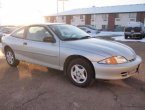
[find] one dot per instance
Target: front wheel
(10, 57)
(80, 72)
(126, 37)
(140, 37)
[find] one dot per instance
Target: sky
(31, 11)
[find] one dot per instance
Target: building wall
(52, 19)
(47, 18)
(77, 20)
(88, 19)
(141, 17)
(100, 21)
(68, 19)
(61, 19)
(124, 18)
(111, 22)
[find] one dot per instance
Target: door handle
(25, 43)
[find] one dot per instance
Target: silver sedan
(65, 47)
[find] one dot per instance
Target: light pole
(57, 9)
(63, 4)
(57, 6)
(63, 1)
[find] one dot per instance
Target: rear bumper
(119, 71)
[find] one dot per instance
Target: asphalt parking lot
(33, 87)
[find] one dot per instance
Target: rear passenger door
(40, 51)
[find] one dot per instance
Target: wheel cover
(78, 73)
(10, 57)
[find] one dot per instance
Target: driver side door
(39, 51)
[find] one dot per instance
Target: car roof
(43, 24)
(40, 24)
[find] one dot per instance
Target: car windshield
(69, 32)
(136, 29)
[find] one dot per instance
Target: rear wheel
(10, 57)
(80, 72)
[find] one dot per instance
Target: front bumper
(134, 34)
(119, 71)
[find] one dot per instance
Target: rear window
(128, 29)
(135, 29)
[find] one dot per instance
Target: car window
(19, 33)
(83, 28)
(37, 33)
(128, 29)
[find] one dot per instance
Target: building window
(119, 28)
(117, 19)
(81, 17)
(104, 27)
(132, 19)
(104, 17)
(132, 15)
(116, 26)
(116, 15)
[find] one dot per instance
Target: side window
(37, 33)
(19, 33)
(83, 28)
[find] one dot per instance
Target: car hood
(100, 47)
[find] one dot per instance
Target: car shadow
(27, 71)
(132, 83)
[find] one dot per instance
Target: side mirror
(49, 39)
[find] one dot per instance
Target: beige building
(106, 18)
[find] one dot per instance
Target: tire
(126, 37)
(140, 37)
(10, 57)
(80, 72)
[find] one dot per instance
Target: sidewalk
(121, 38)
(108, 34)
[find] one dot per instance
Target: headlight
(113, 60)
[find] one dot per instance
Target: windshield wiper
(71, 39)
(85, 37)
(75, 38)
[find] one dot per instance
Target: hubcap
(10, 57)
(78, 73)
